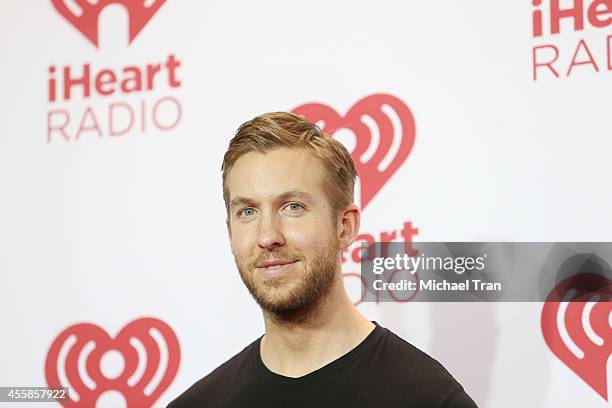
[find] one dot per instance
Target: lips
(276, 267)
(275, 263)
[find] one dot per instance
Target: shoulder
(422, 377)
(403, 355)
(213, 386)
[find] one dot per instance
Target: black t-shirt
(382, 371)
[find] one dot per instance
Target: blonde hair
(275, 130)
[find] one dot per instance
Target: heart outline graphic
(87, 22)
(584, 350)
(134, 391)
(372, 178)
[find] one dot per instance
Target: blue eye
(294, 207)
(246, 212)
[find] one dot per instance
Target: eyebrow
(240, 200)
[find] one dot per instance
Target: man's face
(282, 234)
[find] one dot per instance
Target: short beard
(304, 300)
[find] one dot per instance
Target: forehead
(260, 175)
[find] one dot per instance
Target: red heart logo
(576, 327)
(384, 130)
(150, 352)
(83, 15)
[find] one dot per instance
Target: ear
(348, 225)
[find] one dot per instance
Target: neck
(296, 345)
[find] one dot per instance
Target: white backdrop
(107, 229)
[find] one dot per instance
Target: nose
(270, 234)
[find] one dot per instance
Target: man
(288, 192)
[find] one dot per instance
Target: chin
(281, 298)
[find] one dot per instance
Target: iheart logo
(384, 132)
(149, 356)
(84, 14)
(576, 327)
